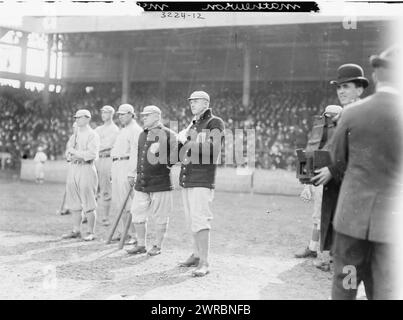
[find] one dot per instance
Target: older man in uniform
(107, 135)
(350, 85)
(368, 147)
(124, 163)
(152, 196)
(199, 155)
(82, 179)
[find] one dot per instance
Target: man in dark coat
(368, 147)
(350, 86)
(199, 156)
(152, 195)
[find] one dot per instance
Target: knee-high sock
(160, 234)
(141, 231)
(92, 218)
(76, 215)
(203, 240)
(314, 243)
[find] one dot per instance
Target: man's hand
(323, 176)
(306, 194)
(182, 136)
(132, 181)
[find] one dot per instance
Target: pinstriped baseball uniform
(107, 135)
(82, 179)
(125, 147)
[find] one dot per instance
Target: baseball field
(253, 240)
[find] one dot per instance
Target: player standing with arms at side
(124, 163)
(107, 135)
(197, 176)
(82, 179)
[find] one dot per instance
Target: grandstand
(267, 74)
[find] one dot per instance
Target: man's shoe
(65, 212)
(192, 261)
(137, 250)
(154, 251)
(72, 235)
(307, 253)
(89, 237)
(201, 270)
(84, 220)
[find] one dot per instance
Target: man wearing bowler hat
(367, 148)
(350, 85)
(199, 155)
(153, 186)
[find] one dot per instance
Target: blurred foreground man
(82, 179)
(368, 147)
(201, 146)
(107, 135)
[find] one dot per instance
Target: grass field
(251, 252)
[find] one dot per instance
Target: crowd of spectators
(280, 115)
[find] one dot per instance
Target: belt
(121, 158)
(104, 155)
(82, 162)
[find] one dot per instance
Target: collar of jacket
(159, 126)
(206, 114)
(387, 89)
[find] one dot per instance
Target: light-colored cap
(125, 108)
(333, 109)
(151, 109)
(82, 113)
(108, 109)
(40, 148)
(199, 95)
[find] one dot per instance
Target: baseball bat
(63, 201)
(118, 218)
(126, 230)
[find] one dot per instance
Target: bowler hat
(350, 72)
(387, 58)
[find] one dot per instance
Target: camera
(312, 158)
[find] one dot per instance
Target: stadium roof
(155, 21)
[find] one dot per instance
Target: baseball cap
(199, 95)
(151, 109)
(387, 58)
(108, 109)
(125, 108)
(82, 113)
(333, 109)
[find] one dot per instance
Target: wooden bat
(115, 224)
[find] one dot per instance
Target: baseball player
(82, 179)
(40, 159)
(331, 113)
(107, 135)
(152, 195)
(124, 163)
(199, 154)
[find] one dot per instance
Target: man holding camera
(350, 85)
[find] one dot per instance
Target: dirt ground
(253, 240)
